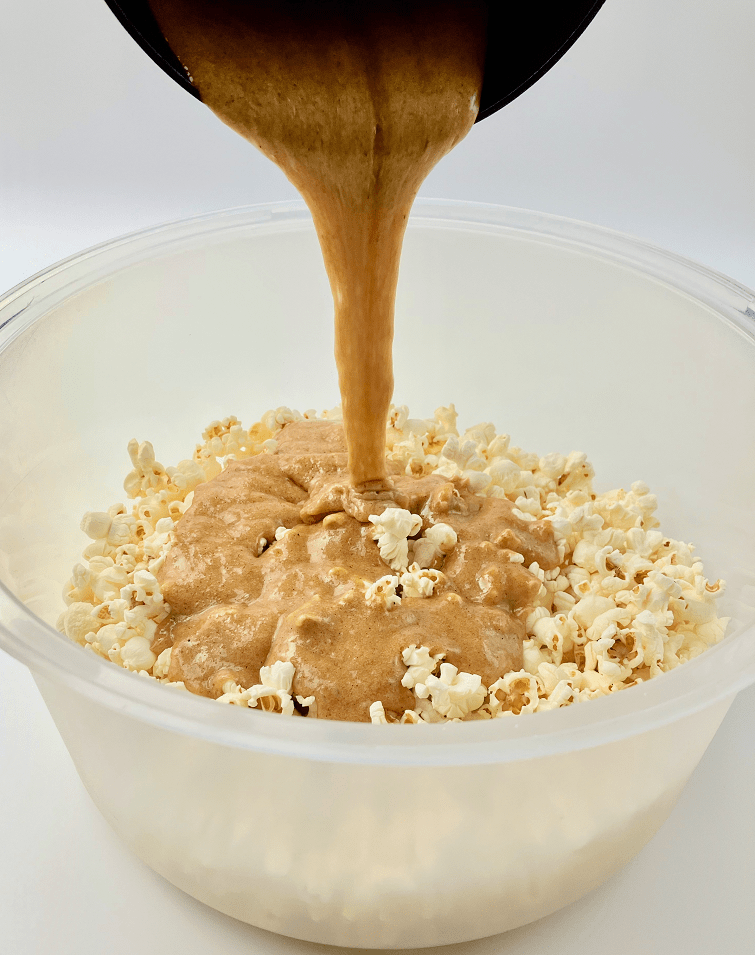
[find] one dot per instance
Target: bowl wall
(375, 856)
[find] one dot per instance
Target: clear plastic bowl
(563, 334)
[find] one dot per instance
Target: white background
(646, 126)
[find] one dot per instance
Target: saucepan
(524, 41)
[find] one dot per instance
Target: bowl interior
(564, 343)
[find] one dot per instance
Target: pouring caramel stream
(355, 102)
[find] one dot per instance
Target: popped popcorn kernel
(78, 620)
(418, 582)
(514, 693)
(436, 543)
(420, 664)
(382, 593)
(453, 695)
(272, 693)
(392, 528)
(96, 525)
(148, 474)
(377, 713)
(162, 664)
(136, 654)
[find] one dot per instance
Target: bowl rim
(712, 678)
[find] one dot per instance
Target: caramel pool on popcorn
(238, 603)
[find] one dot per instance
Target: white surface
(646, 127)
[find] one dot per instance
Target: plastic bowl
(567, 336)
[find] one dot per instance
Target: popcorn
(136, 654)
(274, 420)
(98, 548)
(477, 481)
(274, 688)
(533, 656)
(78, 620)
(416, 582)
(228, 438)
(410, 716)
(145, 590)
(147, 474)
(108, 636)
(96, 524)
(392, 528)
(420, 662)
(120, 531)
(452, 694)
(514, 693)
(162, 664)
(109, 582)
(272, 693)
(382, 593)
(206, 465)
(307, 702)
(590, 607)
(556, 633)
(505, 474)
(377, 713)
(625, 603)
(561, 695)
(437, 542)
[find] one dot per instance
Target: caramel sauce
(241, 599)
